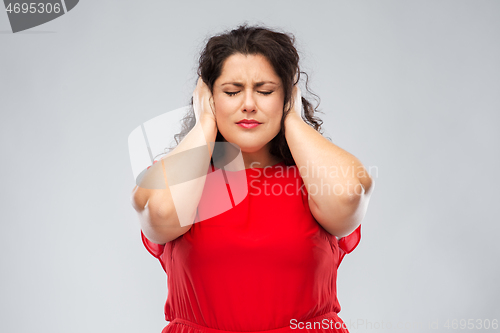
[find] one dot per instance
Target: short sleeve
(156, 250)
(348, 243)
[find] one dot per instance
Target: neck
(260, 159)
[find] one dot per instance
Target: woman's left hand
(296, 101)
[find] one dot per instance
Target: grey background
(409, 87)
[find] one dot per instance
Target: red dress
(264, 265)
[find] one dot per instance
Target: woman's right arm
(168, 212)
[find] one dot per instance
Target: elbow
(361, 192)
(366, 185)
(153, 211)
(349, 216)
(341, 228)
(159, 214)
(343, 215)
(136, 200)
(156, 223)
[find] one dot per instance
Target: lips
(248, 121)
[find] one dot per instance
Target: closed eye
(232, 93)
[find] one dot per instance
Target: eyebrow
(258, 84)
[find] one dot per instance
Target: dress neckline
(250, 170)
(269, 166)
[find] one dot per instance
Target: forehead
(254, 67)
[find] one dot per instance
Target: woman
(268, 260)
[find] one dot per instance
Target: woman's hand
(296, 102)
(204, 109)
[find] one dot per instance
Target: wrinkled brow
(258, 84)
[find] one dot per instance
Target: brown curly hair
(279, 49)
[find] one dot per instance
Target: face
(248, 88)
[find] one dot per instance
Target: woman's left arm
(338, 185)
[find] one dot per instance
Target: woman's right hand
(204, 108)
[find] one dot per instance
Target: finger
(212, 104)
(298, 100)
(295, 101)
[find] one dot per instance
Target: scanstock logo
(28, 14)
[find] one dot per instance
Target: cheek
(277, 112)
(276, 104)
(277, 125)
(224, 109)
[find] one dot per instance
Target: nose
(249, 102)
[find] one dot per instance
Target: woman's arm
(338, 185)
(167, 213)
(167, 197)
